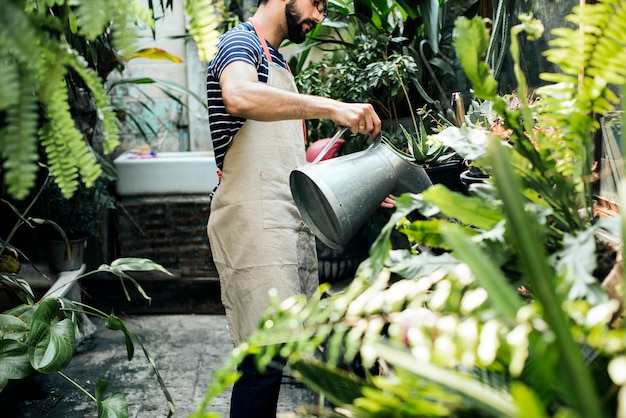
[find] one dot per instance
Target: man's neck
(266, 18)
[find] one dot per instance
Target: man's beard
(295, 31)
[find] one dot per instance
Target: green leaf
(502, 296)
(495, 402)
(430, 15)
(576, 261)
(21, 284)
(51, 343)
(120, 266)
(14, 362)
(534, 264)
(527, 401)
(115, 406)
(12, 328)
(411, 266)
(203, 26)
(339, 386)
(116, 324)
(471, 40)
(24, 312)
(469, 210)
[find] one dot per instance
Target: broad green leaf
(24, 312)
(14, 362)
(469, 210)
(153, 54)
(115, 406)
(471, 40)
(134, 264)
(51, 343)
(469, 143)
(12, 328)
(411, 266)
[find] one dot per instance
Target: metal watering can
(337, 196)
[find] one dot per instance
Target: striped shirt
(238, 44)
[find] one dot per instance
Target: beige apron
(257, 237)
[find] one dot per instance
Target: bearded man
(257, 236)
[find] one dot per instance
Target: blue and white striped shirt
(238, 44)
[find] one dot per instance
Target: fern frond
(596, 49)
(93, 16)
(18, 37)
(591, 57)
(110, 128)
(203, 26)
(18, 141)
(9, 84)
(67, 151)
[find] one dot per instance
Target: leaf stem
(79, 387)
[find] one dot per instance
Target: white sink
(191, 172)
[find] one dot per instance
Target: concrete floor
(186, 350)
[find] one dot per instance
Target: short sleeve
(237, 45)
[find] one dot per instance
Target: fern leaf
(64, 144)
(92, 17)
(9, 85)
(108, 118)
(18, 141)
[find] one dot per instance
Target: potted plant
(506, 320)
(40, 334)
(78, 221)
(370, 52)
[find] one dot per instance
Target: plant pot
(335, 265)
(471, 176)
(60, 260)
(447, 174)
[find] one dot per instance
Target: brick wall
(170, 230)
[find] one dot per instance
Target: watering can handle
(329, 145)
(332, 142)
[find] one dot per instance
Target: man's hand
(358, 117)
(388, 203)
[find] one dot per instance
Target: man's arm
(246, 97)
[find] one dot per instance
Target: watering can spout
(336, 197)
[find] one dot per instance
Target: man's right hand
(359, 118)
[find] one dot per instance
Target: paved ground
(186, 349)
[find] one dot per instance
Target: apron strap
(257, 29)
(266, 50)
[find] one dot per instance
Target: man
(258, 239)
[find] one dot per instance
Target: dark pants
(255, 394)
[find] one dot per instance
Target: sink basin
(191, 172)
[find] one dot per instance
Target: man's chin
(298, 38)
